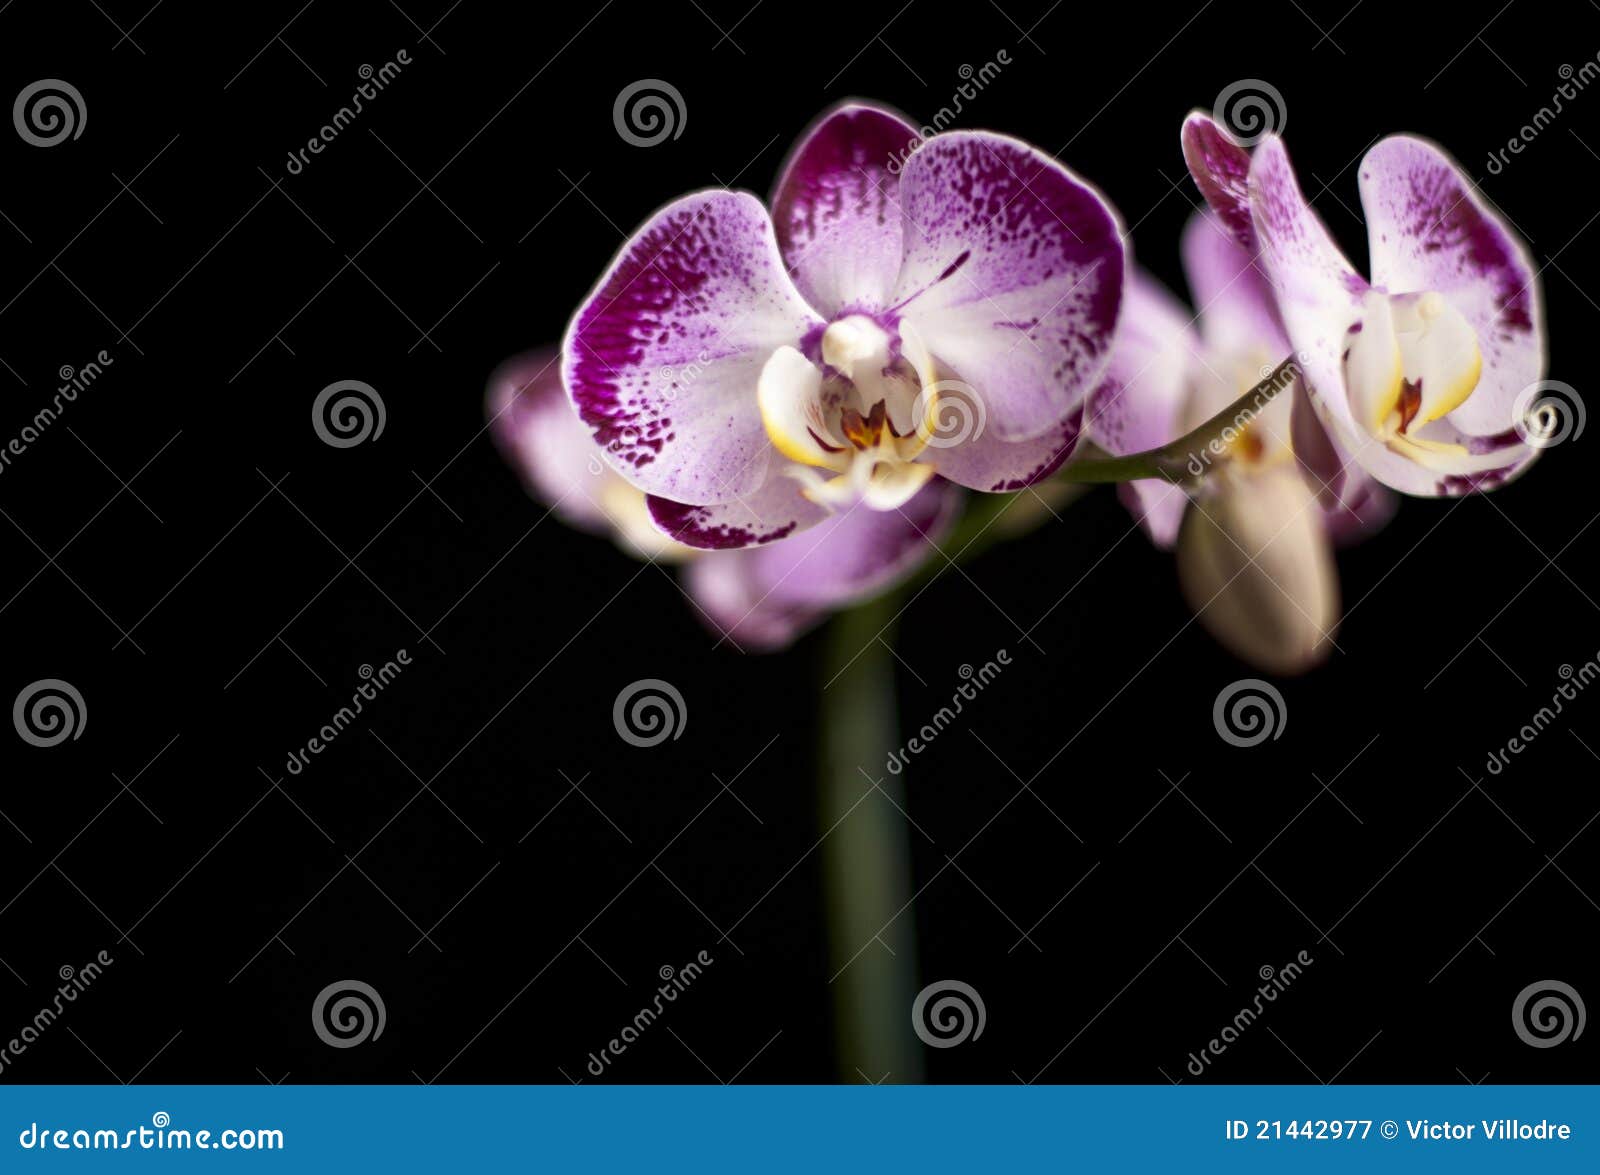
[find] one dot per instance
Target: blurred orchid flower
(1425, 376)
(908, 308)
(761, 598)
(1255, 540)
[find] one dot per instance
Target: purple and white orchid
(888, 324)
(1254, 535)
(1424, 375)
(762, 598)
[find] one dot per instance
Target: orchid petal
(765, 597)
(1013, 274)
(541, 437)
(663, 358)
(836, 208)
(726, 588)
(1221, 170)
(1429, 230)
(1140, 403)
(987, 463)
(774, 511)
(1229, 284)
(1318, 293)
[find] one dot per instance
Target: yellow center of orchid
(864, 416)
(1409, 361)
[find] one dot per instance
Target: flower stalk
(866, 851)
(1185, 460)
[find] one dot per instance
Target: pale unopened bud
(1255, 564)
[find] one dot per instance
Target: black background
(183, 549)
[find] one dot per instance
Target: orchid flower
(760, 598)
(1254, 536)
(1423, 375)
(909, 310)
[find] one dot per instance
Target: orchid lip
(855, 410)
(1410, 360)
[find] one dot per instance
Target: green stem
(1188, 457)
(866, 851)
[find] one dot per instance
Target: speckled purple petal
(729, 597)
(859, 551)
(663, 357)
(1429, 230)
(764, 597)
(995, 466)
(541, 437)
(1231, 293)
(1140, 403)
(774, 511)
(1221, 170)
(836, 208)
(1013, 275)
(1318, 293)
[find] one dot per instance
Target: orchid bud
(1255, 564)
